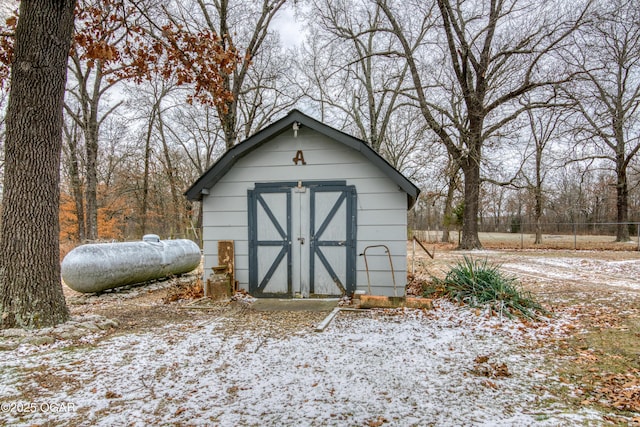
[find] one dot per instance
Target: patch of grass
(479, 283)
(602, 364)
(430, 290)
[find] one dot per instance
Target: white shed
(311, 210)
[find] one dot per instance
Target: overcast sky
(291, 31)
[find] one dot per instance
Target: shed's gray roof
(226, 162)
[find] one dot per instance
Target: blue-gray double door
(302, 239)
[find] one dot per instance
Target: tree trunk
(88, 121)
(622, 203)
(30, 288)
(91, 193)
(175, 220)
(538, 215)
(538, 195)
(145, 179)
(229, 122)
(76, 184)
(227, 111)
(471, 171)
(448, 206)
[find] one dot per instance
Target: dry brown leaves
(376, 422)
(603, 360)
(415, 286)
(619, 391)
(184, 291)
(112, 395)
(484, 368)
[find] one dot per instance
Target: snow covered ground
(618, 273)
(234, 366)
(445, 367)
(590, 268)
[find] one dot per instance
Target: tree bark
(448, 202)
(91, 144)
(88, 121)
(89, 94)
(76, 183)
(622, 200)
(30, 288)
(538, 195)
(145, 179)
(538, 216)
(471, 171)
(176, 212)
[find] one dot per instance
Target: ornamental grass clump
(478, 283)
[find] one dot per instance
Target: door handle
(301, 240)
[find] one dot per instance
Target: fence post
(575, 237)
(638, 231)
(413, 257)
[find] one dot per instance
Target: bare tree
(495, 53)
(607, 96)
(179, 142)
(72, 160)
(243, 26)
(452, 174)
(197, 131)
(269, 88)
(349, 67)
(404, 142)
(545, 127)
(176, 212)
(30, 287)
(93, 76)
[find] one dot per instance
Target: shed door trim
(291, 184)
(349, 198)
(254, 198)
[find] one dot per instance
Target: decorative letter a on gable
(299, 158)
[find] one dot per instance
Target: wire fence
(577, 236)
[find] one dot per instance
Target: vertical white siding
(381, 216)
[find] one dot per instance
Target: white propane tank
(101, 266)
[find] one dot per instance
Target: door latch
(301, 240)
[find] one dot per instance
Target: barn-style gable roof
(226, 162)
